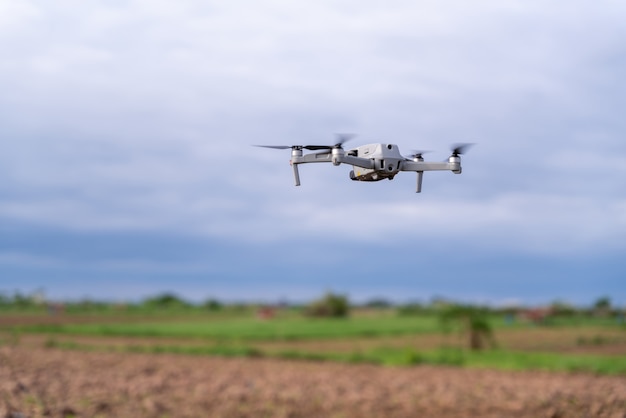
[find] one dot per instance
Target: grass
(510, 360)
(242, 336)
(250, 329)
(389, 356)
(286, 328)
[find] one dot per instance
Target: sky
(127, 167)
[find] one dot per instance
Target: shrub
(212, 305)
(330, 305)
(473, 321)
(165, 300)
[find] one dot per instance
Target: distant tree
(378, 303)
(602, 306)
(330, 305)
(212, 304)
(165, 300)
(602, 303)
(22, 301)
(86, 305)
(562, 309)
(473, 322)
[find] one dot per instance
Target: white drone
(372, 162)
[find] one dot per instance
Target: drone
(371, 162)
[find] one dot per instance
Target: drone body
(371, 162)
(387, 162)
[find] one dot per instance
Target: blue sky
(127, 167)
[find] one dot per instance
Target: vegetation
(389, 356)
(376, 332)
(165, 301)
(212, 305)
(289, 327)
(473, 322)
(330, 306)
(414, 309)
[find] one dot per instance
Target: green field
(595, 345)
(251, 328)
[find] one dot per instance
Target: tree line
(329, 304)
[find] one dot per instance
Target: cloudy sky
(127, 168)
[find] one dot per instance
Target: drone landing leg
(420, 175)
(296, 175)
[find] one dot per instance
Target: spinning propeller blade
(275, 146)
(341, 139)
(416, 154)
(460, 149)
(317, 147)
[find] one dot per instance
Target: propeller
(416, 154)
(277, 146)
(341, 139)
(309, 147)
(459, 149)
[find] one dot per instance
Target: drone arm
(327, 157)
(298, 158)
(320, 157)
(453, 164)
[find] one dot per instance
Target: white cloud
(140, 114)
(15, 13)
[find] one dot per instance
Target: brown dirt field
(36, 382)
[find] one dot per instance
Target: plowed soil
(38, 382)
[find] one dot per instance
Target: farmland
(371, 363)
